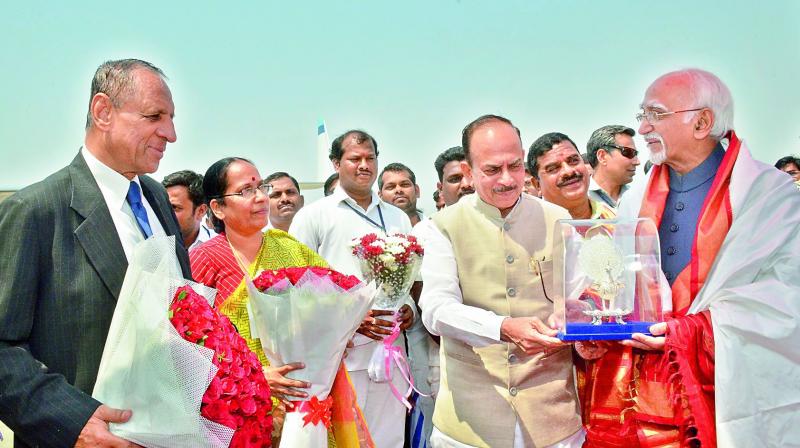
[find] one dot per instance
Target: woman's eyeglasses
(249, 192)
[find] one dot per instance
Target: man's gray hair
(603, 138)
(115, 79)
(709, 91)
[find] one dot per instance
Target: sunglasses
(626, 151)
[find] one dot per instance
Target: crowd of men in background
(610, 164)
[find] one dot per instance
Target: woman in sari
(238, 199)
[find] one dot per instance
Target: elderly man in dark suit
(63, 255)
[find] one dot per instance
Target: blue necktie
(135, 200)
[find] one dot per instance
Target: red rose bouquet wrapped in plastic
(238, 396)
(307, 314)
(182, 369)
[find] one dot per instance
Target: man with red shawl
(724, 367)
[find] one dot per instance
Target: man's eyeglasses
(652, 116)
(249, 192)
(626, 151)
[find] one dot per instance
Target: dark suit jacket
(61, 270)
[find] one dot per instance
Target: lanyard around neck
(381, 226)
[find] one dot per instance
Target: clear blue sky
(253, 78)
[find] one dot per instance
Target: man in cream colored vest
(506, 380)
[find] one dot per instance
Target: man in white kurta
(328, 226)
(506, 381)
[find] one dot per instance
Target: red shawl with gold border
(634, 398)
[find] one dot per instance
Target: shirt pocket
(543, 270)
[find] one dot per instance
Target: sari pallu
(657, 399)
(215, 265)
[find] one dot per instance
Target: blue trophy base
(606, 331)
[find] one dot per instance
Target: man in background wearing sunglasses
(614, 159)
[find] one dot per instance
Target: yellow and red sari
(214, 264)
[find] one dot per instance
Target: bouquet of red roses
(238, 396)
(270, 278)
(182, 369)
(307, 314)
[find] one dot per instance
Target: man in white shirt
(328, 226)
(185, 190)
(506, 380)
(398, 185)
(65, 248)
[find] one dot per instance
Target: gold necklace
(238, 257)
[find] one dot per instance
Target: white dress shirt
(114, 188)
(423, 231)
(203, 234)
(328, 226)
(597, 193)
(443, 309)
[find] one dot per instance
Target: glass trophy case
(607, 276)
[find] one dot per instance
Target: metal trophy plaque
(607, 277)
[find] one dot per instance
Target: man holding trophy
(720, 370)
(506, 380)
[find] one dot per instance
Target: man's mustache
(504, 189)
(566, 180)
